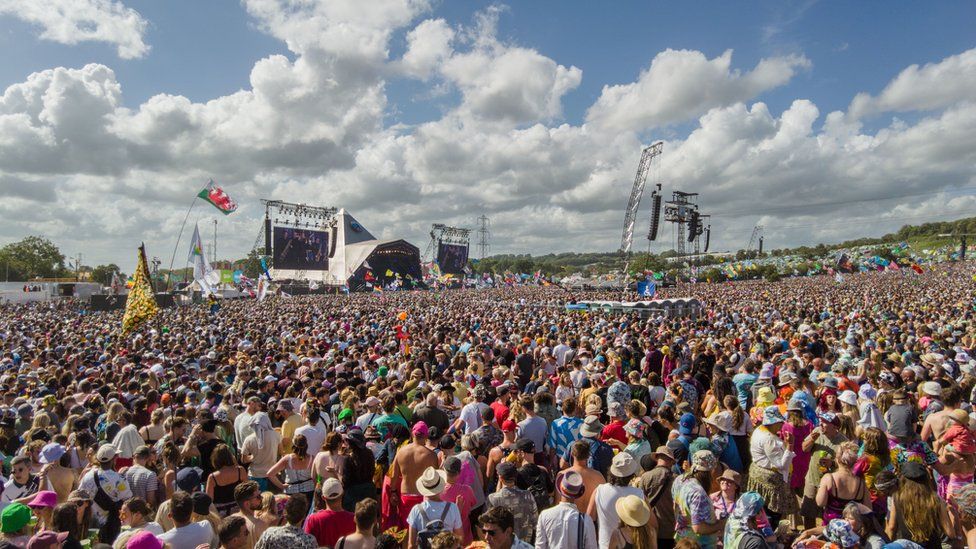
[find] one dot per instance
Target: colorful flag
(141, 303)
(389, 272)
(917, 268)
(218, 198)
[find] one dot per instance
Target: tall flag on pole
(216, 196)
(141, 303)
(203, 274)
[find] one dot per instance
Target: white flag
(262, 288)
(202, 273)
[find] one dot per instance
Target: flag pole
(172, 259)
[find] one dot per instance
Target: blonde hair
(847, 454)
(918, 505)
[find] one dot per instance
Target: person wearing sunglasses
(498, 526)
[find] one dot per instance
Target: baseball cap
(331, 489)
(188, 479)
(106, 452)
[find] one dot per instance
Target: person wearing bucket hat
(601, 454)
(637, 445)
(720, 426)
(694, 514)
(15, 524)
(559, 526)
(618, 485)
(744, 528)
(771, 460)
(730, 485)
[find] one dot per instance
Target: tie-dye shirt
(692, 506)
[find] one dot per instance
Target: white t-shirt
(471, 416)
(607, 518)
(315, 435)
(189, 536)
(434, 510)
(241, 427)
(13, 492)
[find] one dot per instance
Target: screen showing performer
(301, 249)
(452, 258)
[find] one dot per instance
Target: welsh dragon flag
(216, 196)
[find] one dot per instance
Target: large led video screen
(300, 249)
(452, 258)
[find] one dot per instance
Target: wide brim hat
(633, 511)
(432, 482)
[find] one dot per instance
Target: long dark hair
(65, 519)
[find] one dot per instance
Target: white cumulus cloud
(682, 84)
(75, 21)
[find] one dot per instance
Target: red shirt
(501, 412)
(328, 526)
(614, 430)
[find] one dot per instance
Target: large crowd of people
(806, 412)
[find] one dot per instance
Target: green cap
(14, 517)
(345, 414)
(382, 371)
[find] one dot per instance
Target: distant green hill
(918, 236)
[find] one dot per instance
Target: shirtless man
(248, 498)
(409, 464)
(55, 475)
(937, 423)
(580, 451)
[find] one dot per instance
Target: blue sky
(203, 49)
(344, 122)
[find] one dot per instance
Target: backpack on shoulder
(431, 527)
